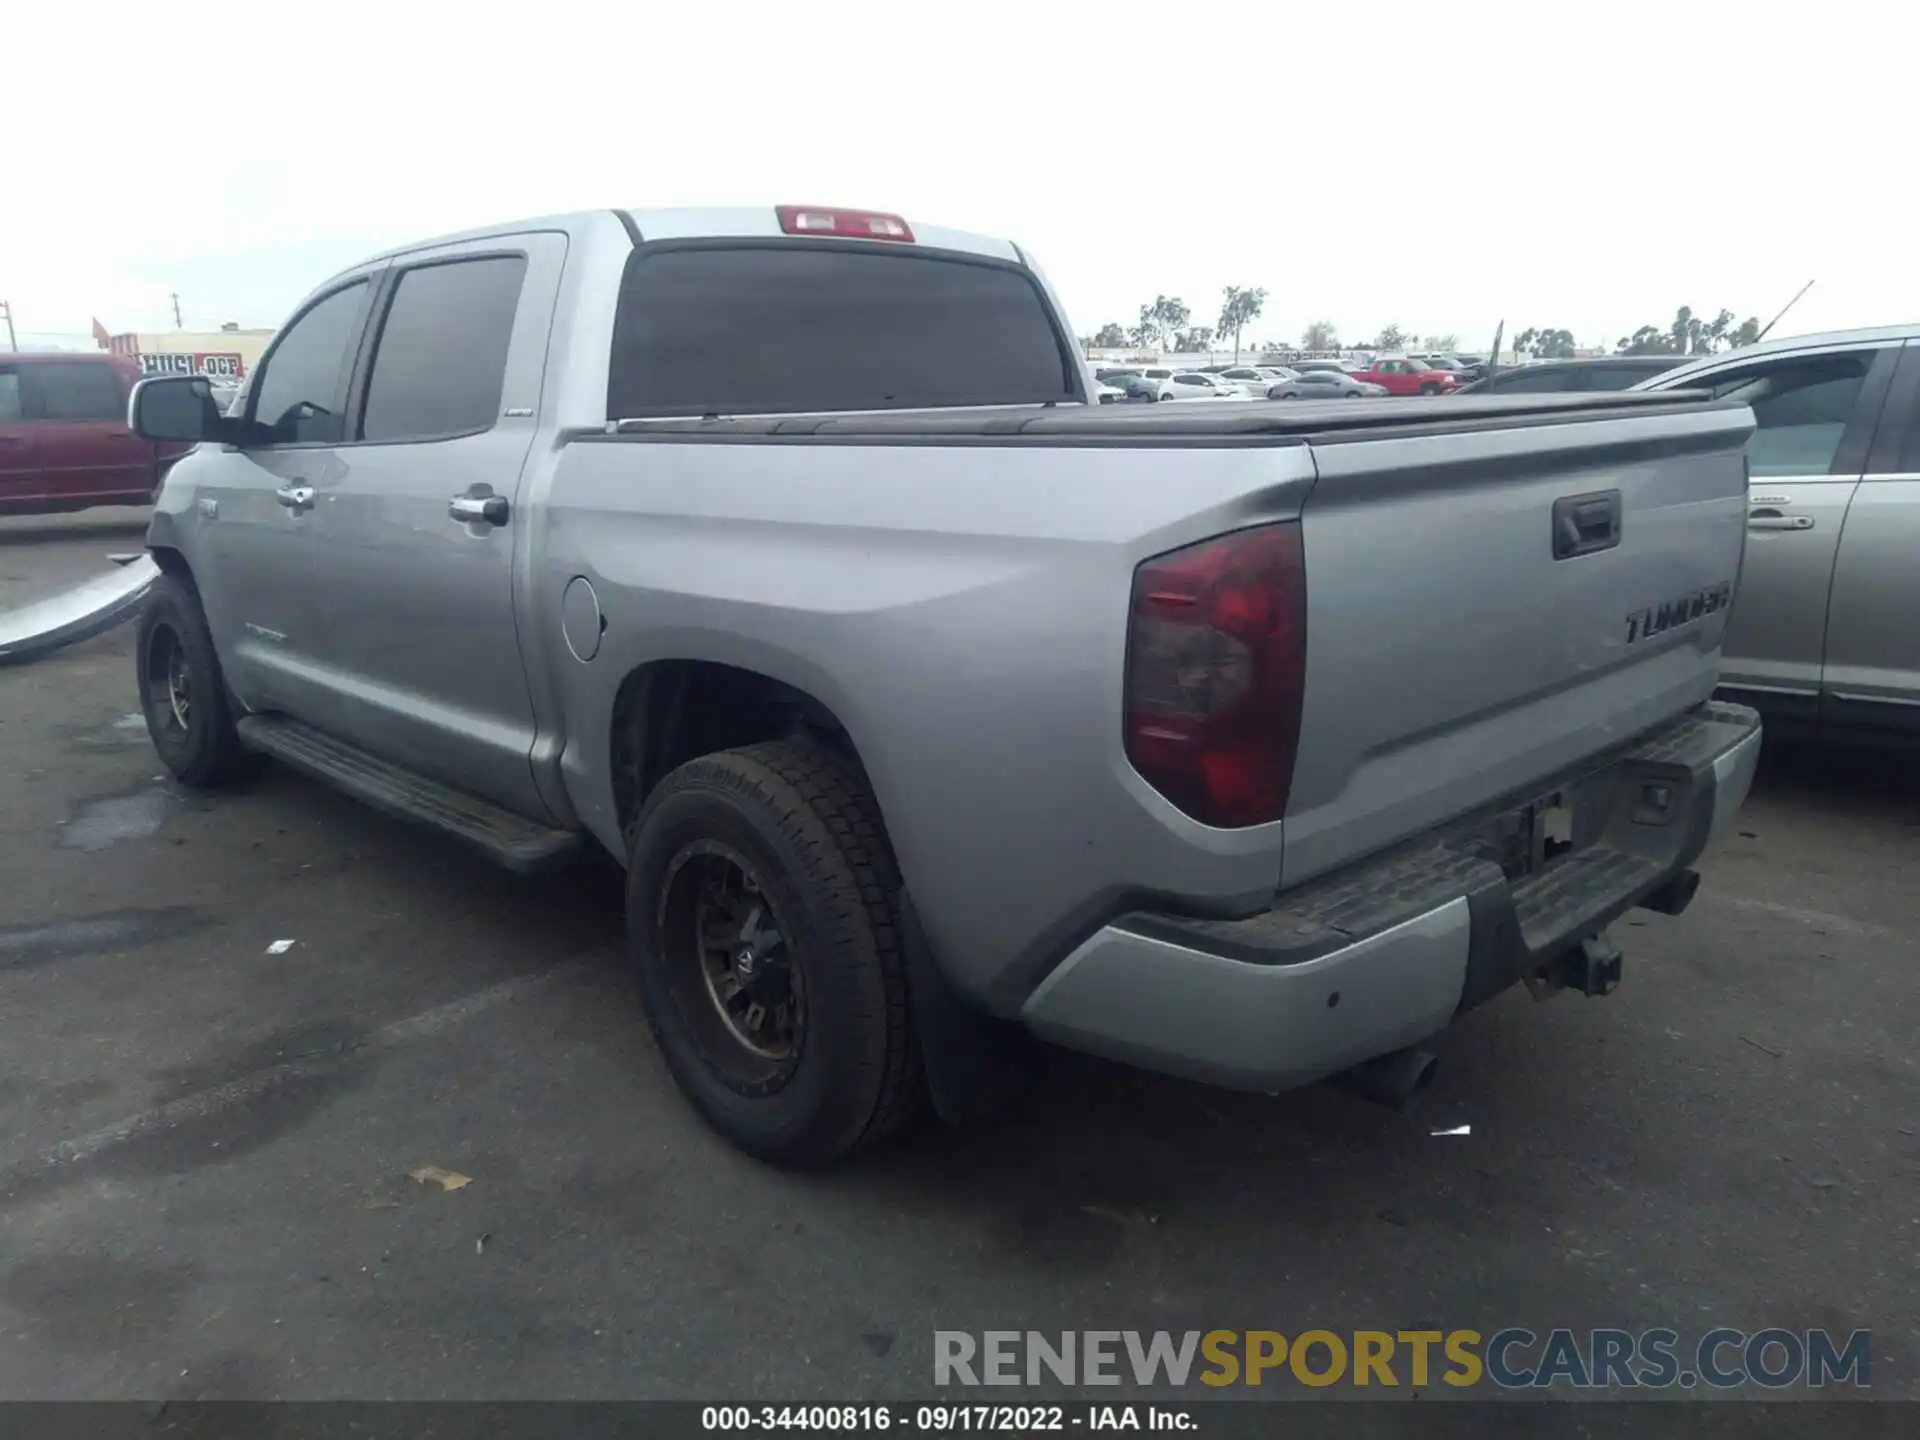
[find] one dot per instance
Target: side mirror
(177, 407)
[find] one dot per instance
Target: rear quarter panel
(961, 608)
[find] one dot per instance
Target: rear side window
(301, 389)
(1545, 380)
(442, 355)
(80, 392)
(778, 329)
(11, 405)
(1604, 377)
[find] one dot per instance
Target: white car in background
(1255, 380)
(1199, 385)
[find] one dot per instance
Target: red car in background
(1399, 375)
(64, 441)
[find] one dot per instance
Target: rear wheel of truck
(762, 916)
(182, 691)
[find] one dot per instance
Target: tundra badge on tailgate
(1684, 610)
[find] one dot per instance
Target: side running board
(508, 839)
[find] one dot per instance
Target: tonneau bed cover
(1198, 421)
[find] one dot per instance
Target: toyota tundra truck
(935, 713)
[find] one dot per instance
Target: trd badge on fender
(1682, 610)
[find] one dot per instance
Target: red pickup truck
(1398, 375)
(64, 441)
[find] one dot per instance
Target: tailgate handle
(1583, 524)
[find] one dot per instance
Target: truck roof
(704, 222)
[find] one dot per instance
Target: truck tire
(1429, 389)
(762, 918)
(182, 691)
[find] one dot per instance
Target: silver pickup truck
(930, 708)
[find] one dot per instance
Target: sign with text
(217, 365)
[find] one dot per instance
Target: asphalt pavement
(207, 1134)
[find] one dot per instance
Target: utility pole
(12, 343)
(176, 311)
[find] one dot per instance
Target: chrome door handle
(479, 509)
(295, 497)
(1774, 520)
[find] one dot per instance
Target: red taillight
(852, 224)
(1216, 662)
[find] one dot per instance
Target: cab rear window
(809, 326)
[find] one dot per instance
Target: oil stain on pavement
(98, 1302)
(132, 815)
(39, 943)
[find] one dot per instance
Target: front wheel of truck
(762, 916)
(183, 694)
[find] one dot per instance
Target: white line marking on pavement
(1816, 919)
(246, 1087)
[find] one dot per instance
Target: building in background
(228, 353)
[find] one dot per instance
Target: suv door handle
(1774, 520)
(295, 497)
(479, 509)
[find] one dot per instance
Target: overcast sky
(1437, 165)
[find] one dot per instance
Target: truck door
(1871, 673)
(1815, 413)
(253, 506)
(417, 533)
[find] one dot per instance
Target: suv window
(1908, 462)
(803, 326)
(300, 390)
(1614, 377)
(442, 354)
(1532, 380)
(1801, 407)
(11, 407)
(80, 391)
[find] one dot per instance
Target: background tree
(1545, 344)
(1441, 344)
(1391, 337)
(1110, 336)
(1647, 340)
(1194, 337)
(1320, 335)
(1161, 321)
(1240, 306)
(1689, 334)
(1684, 335)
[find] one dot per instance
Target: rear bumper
(1386, 952)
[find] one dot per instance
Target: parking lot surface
(207, 1137)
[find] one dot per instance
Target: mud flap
(976, 1063)
(91, 608)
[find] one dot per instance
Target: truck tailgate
(1489, 606)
